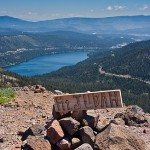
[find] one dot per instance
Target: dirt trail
(121, 76)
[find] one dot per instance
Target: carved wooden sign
(86, 101)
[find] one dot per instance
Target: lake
(48, 63)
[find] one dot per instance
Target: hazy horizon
(39, 10)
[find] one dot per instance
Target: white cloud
(109, 8)
(145, 6)
(119, 7)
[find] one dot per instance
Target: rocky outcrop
(39, 128)
(116, 137)
(134, 116)
(68, 134)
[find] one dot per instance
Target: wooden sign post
(86, 101)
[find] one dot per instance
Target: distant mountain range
(121, 24)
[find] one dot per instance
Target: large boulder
(37, 143)
(70, 125)
(133, 116)
(90, 119)
(85, 146)
(87, 135)
(116, 137)
(55, 132)
(78, 115)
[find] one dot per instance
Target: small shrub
(7, 95)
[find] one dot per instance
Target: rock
(49, 122)
(45, 94)
(64, 144)
(36, 129)
(26, 88)
(135, 108)
(37, 91)
(147, 118)
(78, 115)
(116, 137)
(87, 135)
(85, 146)
(38, 143)
(1, 140)
(102, 123)
(70, 125)
(33, 130)
(90, 119)
(43, 89)
(17, 147)
(55, 132)
(38, 86)
(134, 116)
(59, 115)
(75, 142)
(147, 131)
(58, 92)
(118, 121)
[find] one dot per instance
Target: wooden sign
(86, 101)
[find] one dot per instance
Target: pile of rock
(134, 116)
(81, 130)
(35, 88)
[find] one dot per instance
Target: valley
(111, 45)
(74, 75)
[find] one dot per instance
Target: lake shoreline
(12, 67)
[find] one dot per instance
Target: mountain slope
(85, 76)
(86, 25)
(16, 48)
(22, 47)
(9, 79)
(133, 60)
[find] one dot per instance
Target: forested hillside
(16, 48)
(10, 79)
(85, 76)
(133, 60)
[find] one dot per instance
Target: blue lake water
(47, 63)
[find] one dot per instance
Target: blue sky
(35, 10)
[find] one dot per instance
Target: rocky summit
(31, 123)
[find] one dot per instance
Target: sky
(36, 10)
